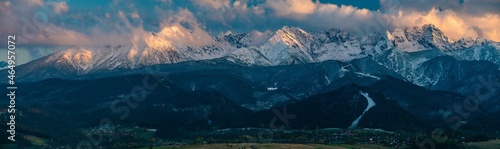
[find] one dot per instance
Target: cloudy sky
(45, 26)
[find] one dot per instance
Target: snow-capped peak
(154, 42)
(389, 35)
(481, 41)
(290, 36)
(241, 40)
(179, 36)
(412, 39)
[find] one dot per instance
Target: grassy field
(492, 144)
(36, 141)
(271, 146)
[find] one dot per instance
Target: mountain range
(409, 52)
(288, 45)
(422, 55)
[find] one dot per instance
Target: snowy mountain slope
(292, 45)
(484, 50)
(289, 45)
(412, 39)
(158, 49)
(240, 40)
(447, 73)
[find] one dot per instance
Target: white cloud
(213, 4)
(297, 9)
(135, 15)
(55, 35)
(4, 6)
(35, 3)
(259, 37)
(453, 24)
(183, 28)
(456, 19)
(60, 7)
(453, 18)
(343, 17)
(121, 14)
(165, 1)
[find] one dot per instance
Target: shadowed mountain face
(324, 95)
(3, 64)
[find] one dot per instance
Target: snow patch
(327, 80)
(272, 88)
(368, 75)
(193, 86)
(371, 104)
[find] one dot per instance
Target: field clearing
(492, 144)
